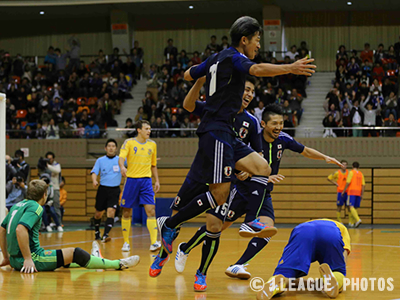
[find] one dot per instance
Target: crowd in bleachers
(365, 92)
(65, 97)
(166, 89)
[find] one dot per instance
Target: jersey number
(224, 209)
(213, 81)
(9, 224)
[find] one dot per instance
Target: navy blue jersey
(246, 126)
(225, 82)
(273, 152)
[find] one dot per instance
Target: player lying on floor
(325, 241)
(19, 240)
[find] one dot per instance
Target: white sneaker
(357, 223)
(129, 262)
(60, 229)
(237, 271)
(96, 249)
(180, 259)
(52, 224)
(49, 229)
(126, 247)
(156, 246)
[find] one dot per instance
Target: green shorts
(44, 260)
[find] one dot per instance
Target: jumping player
(274, 142)
(19, 240)
(355, 184)
(325, 241)
(141, 154)
(339, 179)
(219, 151)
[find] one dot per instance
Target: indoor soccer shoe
(200, 284)
(157, 265)
(129, 262)
(105, 239)
(331, 289)
(237, 271)
(156, 246)
(180, 259)
(257, 229)
(168, 235)
(97, 236)
(358, 223)
(96, 249)
(126, 247)
(274, 286)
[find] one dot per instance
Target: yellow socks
(338, 217)
(152, 227)
(351, 219)
(354, 213)
(339, 277)
(126, 228)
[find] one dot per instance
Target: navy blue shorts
(341, 200)
(215, 159)
(354, 201)
(238, 205)
(318, 240)
(189, 189)
(137, 191)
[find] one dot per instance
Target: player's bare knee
(151, 211)
(110, 213)
(214, 227)
(126, 213)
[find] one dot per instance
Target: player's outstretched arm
(190, 100)
(314, 154)
(300, 67)
(3, 247)
(23, 243)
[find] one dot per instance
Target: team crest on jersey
(279, 154)
(228, 171)
(150, 151)
(246, 124)
(123, 201)
(177, 200)
(231, 213)
(279, 146)
(243, 132)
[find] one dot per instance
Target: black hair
(128, 120)
(251, 79)
(367, 44)
(57, 49)
(19, 153)
(116, 48)
(213, 36)
(170, 40)
(50, 48)
(244, 26)
(343, 161)
(50, 153)
(112, 141)
(271, 109)
(381, 45)
(356, 164)
(224, 37)
(63, 179)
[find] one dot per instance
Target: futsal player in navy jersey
(219, 151)
(274, 142)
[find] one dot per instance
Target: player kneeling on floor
(325, 241)
(19, 240)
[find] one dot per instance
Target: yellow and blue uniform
(138, 189)
(340, 179)
(357, 181)
(321, 240)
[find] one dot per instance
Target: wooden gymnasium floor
(376, 253)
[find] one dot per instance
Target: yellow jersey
(140, 157)
(340, 179)
(357, 181)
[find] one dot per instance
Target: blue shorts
(189, 189)
(215, 159)
(137, 191)
(341, 200)
(239, 198)
(318, 240)
(354, 201)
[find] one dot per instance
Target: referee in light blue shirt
(107, 197)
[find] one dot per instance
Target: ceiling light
(349, 3)
(191, 6)
(41, 12)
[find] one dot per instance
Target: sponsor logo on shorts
(177, 200)
(199, 202)
(228, 171)
(243, 132)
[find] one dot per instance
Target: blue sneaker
(157, 265)
(168, 235)
(200, 284)
(257, 229)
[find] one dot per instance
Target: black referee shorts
(107, 197)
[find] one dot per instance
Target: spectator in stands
(379, 54)
(129, 124)
(280, 97)
(160, 124)
(206, 54)
(213, 46)
(29, 133)
(332, 98)
(183, 59)
(187, 125)
(80, 130)
(50, 58)
(66, 130)
(287, 123)
(225, 43)
(378, 72)
(333, 110)
(61, 59)
(174, 124)
(346, 115)
(341, 52)
(140, 114)
(390, 57)
(15, 190)
(388, 87)
(40, 131)
(366, 69)
(292, 53)
(288, 111)
(370, 115)
(329, 122)
(355, 56)
(196, 58)
(391, 122)
(92, 130)
(391, 105)
(295, 101)
(353, 68)
(74, 53)
(258, 111)
(170, 49)
(367, 54)
(356, 116)
(52, 131)
(178, 94)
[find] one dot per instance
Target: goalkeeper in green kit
(19, 240)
